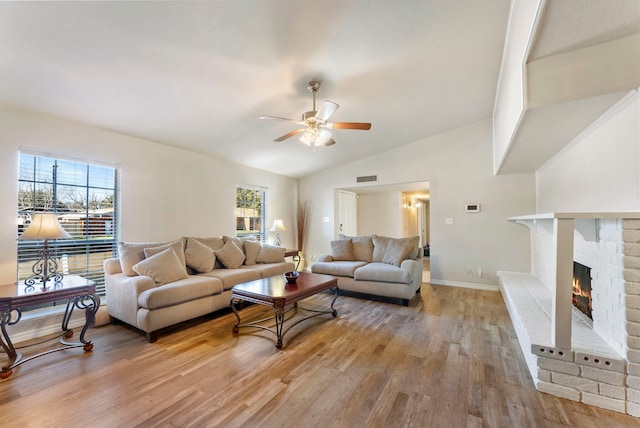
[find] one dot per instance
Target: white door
(347, 213)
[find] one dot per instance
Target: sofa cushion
(382, 272)
(251, 251)
(397, 251)
(162, 267)
(270, 269)
(362, 247)
(131, 253)
(231, 277)
(198, 256)
(342, 250)
(230, 255)
(271, 254)
(184, 290)
(337, 268)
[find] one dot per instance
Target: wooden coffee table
(282, 297)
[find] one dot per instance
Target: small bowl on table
(291, 277)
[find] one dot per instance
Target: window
(85, 198)
(250, 209)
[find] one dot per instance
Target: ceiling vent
(366, 178)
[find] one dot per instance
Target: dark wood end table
(79, 292)
(275, 292)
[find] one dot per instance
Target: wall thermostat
(472, 208)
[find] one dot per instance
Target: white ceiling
(199, 74)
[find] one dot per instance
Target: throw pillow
(397, 251)
(414, 242)
(271, 254)
(342, 250)
(162, 267)
(362, 247)
(199, 257)
(251, 251)
(230, 255)
(131, 253)
(380, 244)
(178, 247)
(214, 243)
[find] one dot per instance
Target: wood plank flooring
(450, 359)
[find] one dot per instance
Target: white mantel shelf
(562, 226)
(578, 215)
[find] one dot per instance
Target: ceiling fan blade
(325, 112)
(289, 135)
(279, 118)
(331, 142)
(349, 125)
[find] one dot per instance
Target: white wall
(165, 192)
(379, 213)
(458, 164)
(600, 169)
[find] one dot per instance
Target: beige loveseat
(156, 285)
(375, 265)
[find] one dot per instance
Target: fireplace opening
(582, 288)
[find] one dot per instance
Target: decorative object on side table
(277, 227)
(44, 226)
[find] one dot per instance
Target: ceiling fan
(315, 131)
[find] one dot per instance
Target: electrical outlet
(479, 272)
(313, 257)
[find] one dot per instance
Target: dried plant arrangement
(303, 212)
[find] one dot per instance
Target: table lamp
(44, 226)
(277, 227)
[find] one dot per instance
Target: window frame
(94, 230)
(248, 222)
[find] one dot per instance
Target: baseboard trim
(472, 285)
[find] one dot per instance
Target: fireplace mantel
(585, 223)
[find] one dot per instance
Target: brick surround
(602, 368)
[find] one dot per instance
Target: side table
(79, 292)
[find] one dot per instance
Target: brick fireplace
(598, 362)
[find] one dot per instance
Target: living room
(168, 191)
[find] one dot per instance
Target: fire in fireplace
(582, 288)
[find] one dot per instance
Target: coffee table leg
(279, 311)
(335, 297)
(236, 327)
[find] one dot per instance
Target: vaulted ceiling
(198, 75)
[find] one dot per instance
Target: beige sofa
(375, 265)
(155, 285)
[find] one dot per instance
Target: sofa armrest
(112, 266)
(122, 293)
(324, 258)
(414, 267)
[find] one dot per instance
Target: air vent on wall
(366, 178)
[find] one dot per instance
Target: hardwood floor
(450, 359)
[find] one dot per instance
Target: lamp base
(277, 240)
(44, 270)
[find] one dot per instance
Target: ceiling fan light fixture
(314, 137)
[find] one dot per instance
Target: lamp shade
(278, 226)
(44, 226)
